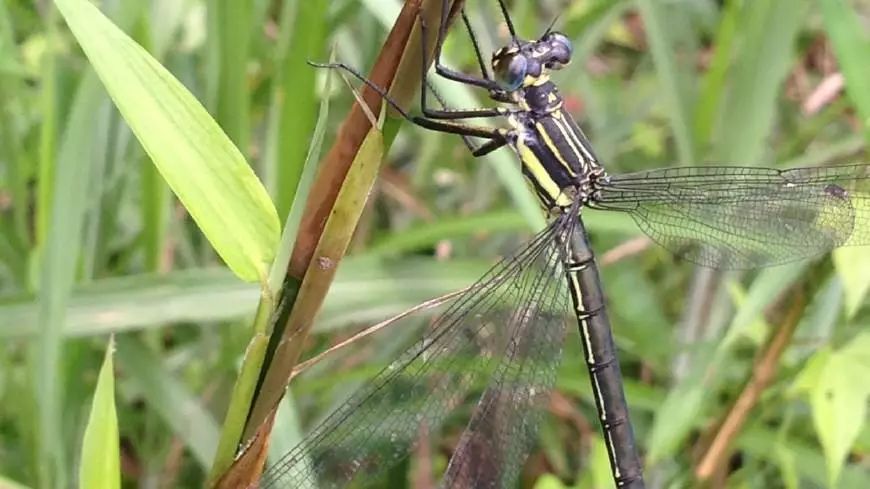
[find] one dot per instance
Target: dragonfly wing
(503, 428)
(462, 348)
(736, 218)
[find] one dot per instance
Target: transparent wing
(732, 217)
(507, 327)
(497, 440)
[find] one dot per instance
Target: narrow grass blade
(231, 24)
(59, 258)
(762, 58)
(48, 136)
(100, 466)
(201, 165)
(679, 96)
(305, 30)
(713, 82)
(851, 45)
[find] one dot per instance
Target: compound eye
(561, 48)
(512, 73)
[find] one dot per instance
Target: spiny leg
(477, 52)
(435, 125)
(446, 114)
(476, 150)
(449, 73)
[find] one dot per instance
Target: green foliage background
(92, 242)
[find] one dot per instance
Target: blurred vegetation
(92, 241)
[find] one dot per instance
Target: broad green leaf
(853, 266)
(839, 401)
(201, 165)
(101, 464)
(812, 372)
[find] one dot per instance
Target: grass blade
(760, 64)
(231, 19)
(59, 257)
(101, 461)
(851, 45)
(679, 98)
(305, 28)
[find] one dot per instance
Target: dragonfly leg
(445, 113)
(435, 125)
(487, 147)
(450, 74)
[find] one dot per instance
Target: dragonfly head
(523, 63)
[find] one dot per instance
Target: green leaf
(712, 88)
(785, 461)
(10, 484)
(599, 464)
(201, 165)
(664, 47)
(839, 401)
(549, 481)
(766, 287)
(853, 266)
(762, 60)
(231, 22)
(101, 464)
(851, 44)
(811, 373)
(673, 420)
(304, 29)
(59, 256)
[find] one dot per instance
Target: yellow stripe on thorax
(538, 172)
(571, 138)
(554, 148)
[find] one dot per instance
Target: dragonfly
(506, 331)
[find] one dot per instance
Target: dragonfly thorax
(556, 159)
